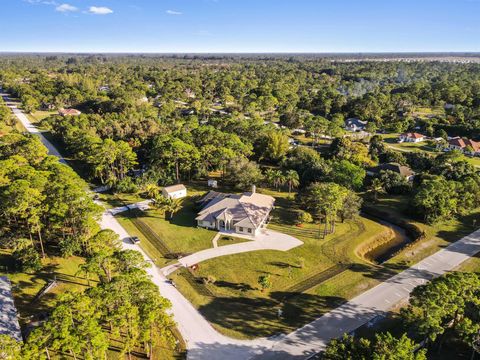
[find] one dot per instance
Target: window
(240, 229)
(249, 230)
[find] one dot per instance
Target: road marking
(388, 302)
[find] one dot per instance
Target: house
(411, 137)
(405, 171)
(69, 112)
(466, 146)
(246, 213)
(175, 191)
(212, 183)
(354, 124)
(8, 313)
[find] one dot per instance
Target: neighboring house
(354, 124)
(405, 171)
(243, 214)
(466, 146)
(411, 137)
(69, 112)
(175, 191)
(8, 313)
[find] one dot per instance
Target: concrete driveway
(265, 240)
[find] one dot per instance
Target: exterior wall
(175, 195)
(244, 230)
(206, 224)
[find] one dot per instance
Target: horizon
(230, 27)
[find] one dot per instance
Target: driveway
(204, 342)
(142, 205)
(265, 240)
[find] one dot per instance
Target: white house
(174, 191)
(243, 214)
(411, 137)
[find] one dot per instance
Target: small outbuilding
(174, 191)
(69, 112)
(212, 183)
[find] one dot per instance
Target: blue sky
(240, 25)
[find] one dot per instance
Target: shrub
(303, 217)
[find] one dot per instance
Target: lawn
(230, 240)
(27, 285)
(38, 115)
(179, 235)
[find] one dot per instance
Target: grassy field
(38, 115)
(27, 285)
(180, 234)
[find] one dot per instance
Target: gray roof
(357, 122)
(396, 167)
(247, 210)
(8, 313)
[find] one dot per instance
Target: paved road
(204, 342)
(31, 128)
(142, 205)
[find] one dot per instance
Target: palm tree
(172, 206)
(270, 177)
(278, 179)
(376, 188)
(152, 190)
(292, 179)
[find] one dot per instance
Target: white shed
(212, 183)
(175, 191)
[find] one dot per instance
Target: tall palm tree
(292, 179)
(278, 179)
(270, 175)
(376, 188)
(152, 190)
(172, 206)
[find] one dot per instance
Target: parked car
(135, 240)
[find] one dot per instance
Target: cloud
(173, 12)
(100, 10)
(66, 8)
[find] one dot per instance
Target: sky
(206, 26)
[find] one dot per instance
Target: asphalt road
(204, 342)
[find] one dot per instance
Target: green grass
(230, 240)
(27, 285)
(38, 115)
(179, 234)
